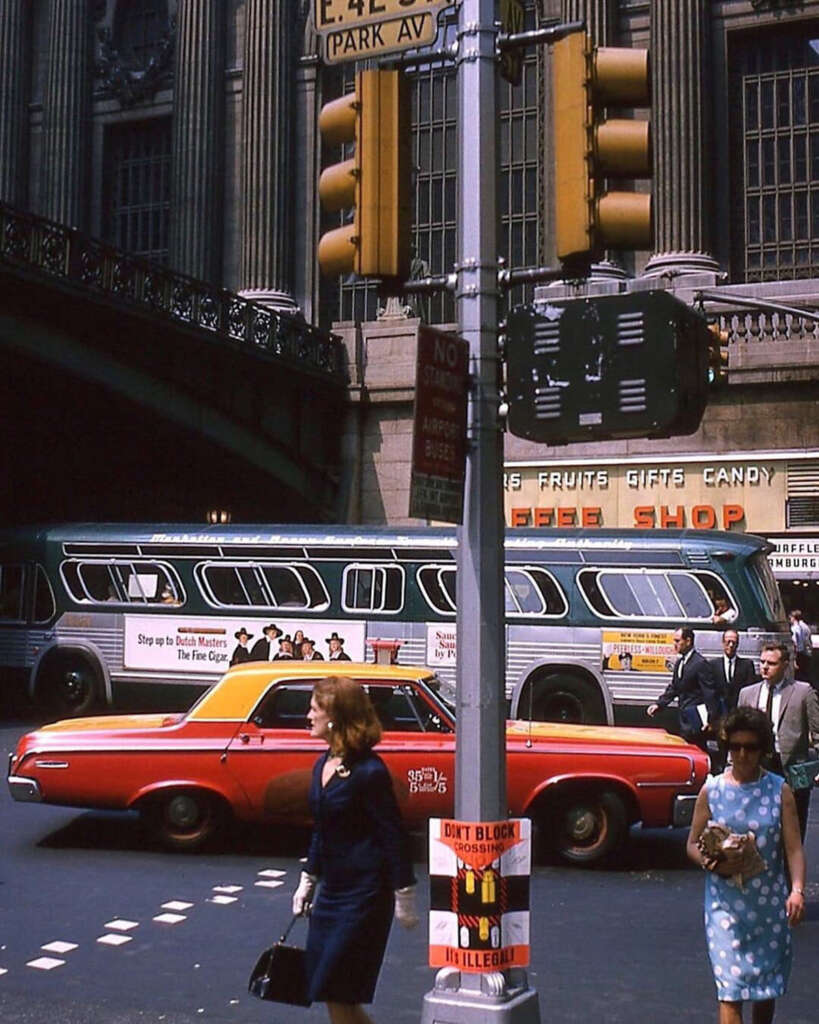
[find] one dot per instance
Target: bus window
(530, 590)
(285, 587)
(44, 604)
(373, 588)
(120, 581)
(654, 595)
(695, 601)
(765, 583)
(437, 584)
(648, 594)
(262, 586)
(11, 592)
(97, 582)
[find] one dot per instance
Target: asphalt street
(621, 944)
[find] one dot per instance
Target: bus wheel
(184, 819)
(69, 686)
(585, 826)
(565, 698)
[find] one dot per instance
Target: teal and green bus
(86, 609)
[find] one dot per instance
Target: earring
(329, 725)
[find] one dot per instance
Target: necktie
(769, 704)
(730, 671)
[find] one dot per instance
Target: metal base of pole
(499, 998)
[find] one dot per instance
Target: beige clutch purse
(716, 840)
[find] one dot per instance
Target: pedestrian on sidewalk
(358, 852)
(748, 919)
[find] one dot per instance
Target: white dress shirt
(775, 706)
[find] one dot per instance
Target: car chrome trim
(25, 791)
(51, 764)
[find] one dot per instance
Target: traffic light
(590, 148)
(717, 354)
(374, 182)
(617, 366)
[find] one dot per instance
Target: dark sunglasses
(751, 748)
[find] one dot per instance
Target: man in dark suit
(793, 710)
(692, 685)
(263, 649)
(731, 672)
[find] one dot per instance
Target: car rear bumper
(25, 791)
(683, 810)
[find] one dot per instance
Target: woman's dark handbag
(279, 975)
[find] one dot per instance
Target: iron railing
(66, 255)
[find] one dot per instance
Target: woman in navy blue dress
(358, 852)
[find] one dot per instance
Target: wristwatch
(798, 890)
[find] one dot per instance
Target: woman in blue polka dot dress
(747, 921)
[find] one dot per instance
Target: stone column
(198, 140)
(599, 16)
(12, 101)
(65, 113)
(267, 152)
(682, 141)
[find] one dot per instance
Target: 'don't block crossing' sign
(479, 894)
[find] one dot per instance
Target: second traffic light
(374, 182)
(590, 149)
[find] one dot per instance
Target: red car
(243, 750)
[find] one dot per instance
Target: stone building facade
(186, 131)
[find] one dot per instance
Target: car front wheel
(184, 819)
(586, 826)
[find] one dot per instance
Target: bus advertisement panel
(184, 644)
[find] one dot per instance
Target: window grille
(138, 180)
(776, 147)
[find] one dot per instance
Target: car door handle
(245, 738)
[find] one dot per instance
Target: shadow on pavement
(123, 831)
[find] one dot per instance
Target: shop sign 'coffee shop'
(775, 495)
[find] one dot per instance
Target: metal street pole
(480, 759)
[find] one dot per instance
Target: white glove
(303, 896)
(405, 913)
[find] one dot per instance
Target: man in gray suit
(793, 710)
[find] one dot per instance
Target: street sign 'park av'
(355, 29)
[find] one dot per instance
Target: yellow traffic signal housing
(717, 354)
(375, 182)
(590, 148)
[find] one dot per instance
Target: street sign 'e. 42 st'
(354, 29)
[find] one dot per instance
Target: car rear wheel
(586, 826)
(69, 685)
(185, 819)
(562, 697)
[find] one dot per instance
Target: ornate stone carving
(129, 82)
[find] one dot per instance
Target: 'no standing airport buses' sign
(355, 29)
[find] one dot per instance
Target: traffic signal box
(619, 366)
(717, 354)
(375, 182)
(590, 148)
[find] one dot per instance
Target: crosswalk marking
(45, 963)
